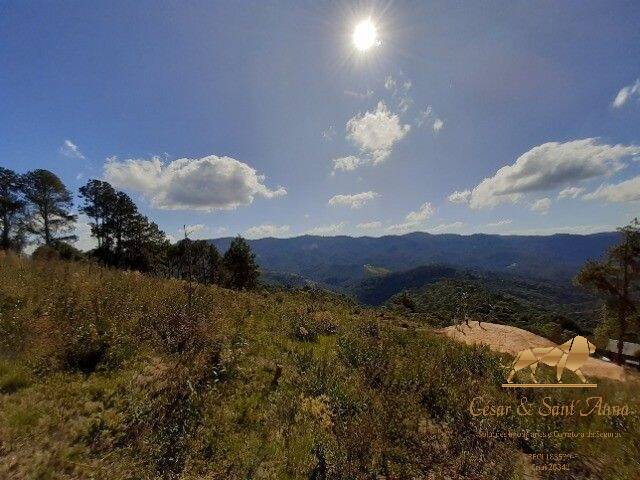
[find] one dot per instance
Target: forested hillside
(116, 375)
(337, 261)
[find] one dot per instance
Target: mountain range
(339, 262)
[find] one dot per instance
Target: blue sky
(262, 118)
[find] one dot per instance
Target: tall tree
(99, 199)
(49, 203)
(143, 244)
(125, 237)
(12, 209)
(617, 280)
(197, 259)
(121, 214)
(240, 268)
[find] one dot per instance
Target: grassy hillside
(109, 375)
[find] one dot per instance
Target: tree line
(36, 207)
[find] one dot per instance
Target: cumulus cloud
(326, 230)
(209, 183)
(425, 211)
(438, 124)
(570, 192)
(626, 93)
(499, 223)
(82, 230)
(369, 225)
(414, 220)
(460, 196)
(546, 167)
(541, 206)
(267, 230)
(376, 132)
(71, 150)
(627, 191)
(356, 200)
(349, 163)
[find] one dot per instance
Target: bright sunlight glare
(365, 35)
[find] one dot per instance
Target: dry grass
(121, 376)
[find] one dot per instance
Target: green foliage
(58, 250)
(617, 281)
(448, 302)
(198, 260)
(49, 202)
(240, 268)
(12, 211)
(126, 238)
(212, 383)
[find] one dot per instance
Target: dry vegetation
(114, 375)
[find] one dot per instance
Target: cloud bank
(208, 184)
(546, 167)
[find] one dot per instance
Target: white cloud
(414, 220)
(390, 83)
(356, 200)
(570, 192)
(460, 196)
(71, 150)
(376, 132)
(209, 183)
(447, 227)
(424, 116)
(627, 191)
(85, 241)
(349, 163)
(267, 230)
(326, 230)
(550, 166)
(329, 133)
(425, 211)
(626, 93)
(190, 229)
(196, 231)
(541, 206)
(360, 95)
(499, 223)
(438, 124)
(405, 227)
(369, 225)
(404, 104)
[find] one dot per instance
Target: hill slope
(112, 375)
(336, 261)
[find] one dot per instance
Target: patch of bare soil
(507, 339)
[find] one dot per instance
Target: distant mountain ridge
(339, 261)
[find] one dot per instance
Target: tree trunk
(5, 232)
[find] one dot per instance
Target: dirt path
(507, 339)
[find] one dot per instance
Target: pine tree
(617, 280)
(12, 209)
(240, 268)
(49, 203)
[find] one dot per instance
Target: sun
(365, 35)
